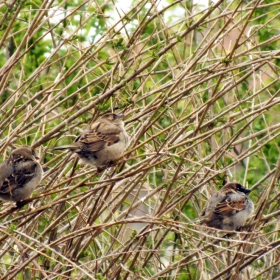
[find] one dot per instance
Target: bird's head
(234, 187)
(113, 118)
(25, 152)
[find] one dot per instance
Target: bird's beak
(244, 190)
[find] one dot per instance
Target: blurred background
(199, 84)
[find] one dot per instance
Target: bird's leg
(109, 164)
(100, 169)
(20, 204)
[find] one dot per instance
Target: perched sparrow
(20, 174)
(229, 208)
(102, 142)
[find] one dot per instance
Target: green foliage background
(199, 85)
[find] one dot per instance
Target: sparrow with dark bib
(229, 208)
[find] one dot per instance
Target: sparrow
(229, 208)
(20, 174)
(102, 142)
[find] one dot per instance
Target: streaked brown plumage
(20, 174)
(229, 208)
(102, 142)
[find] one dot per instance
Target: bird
(102, 142)
(229, 208)
(20, 174)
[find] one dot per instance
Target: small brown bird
(229, 208)
(102, 142)
(20, 174)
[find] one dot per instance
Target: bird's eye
(239, 187)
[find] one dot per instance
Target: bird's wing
(228, 207)
(20, 174)
(100, 135)
(212, 203)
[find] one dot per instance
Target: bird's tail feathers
(67, 147)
